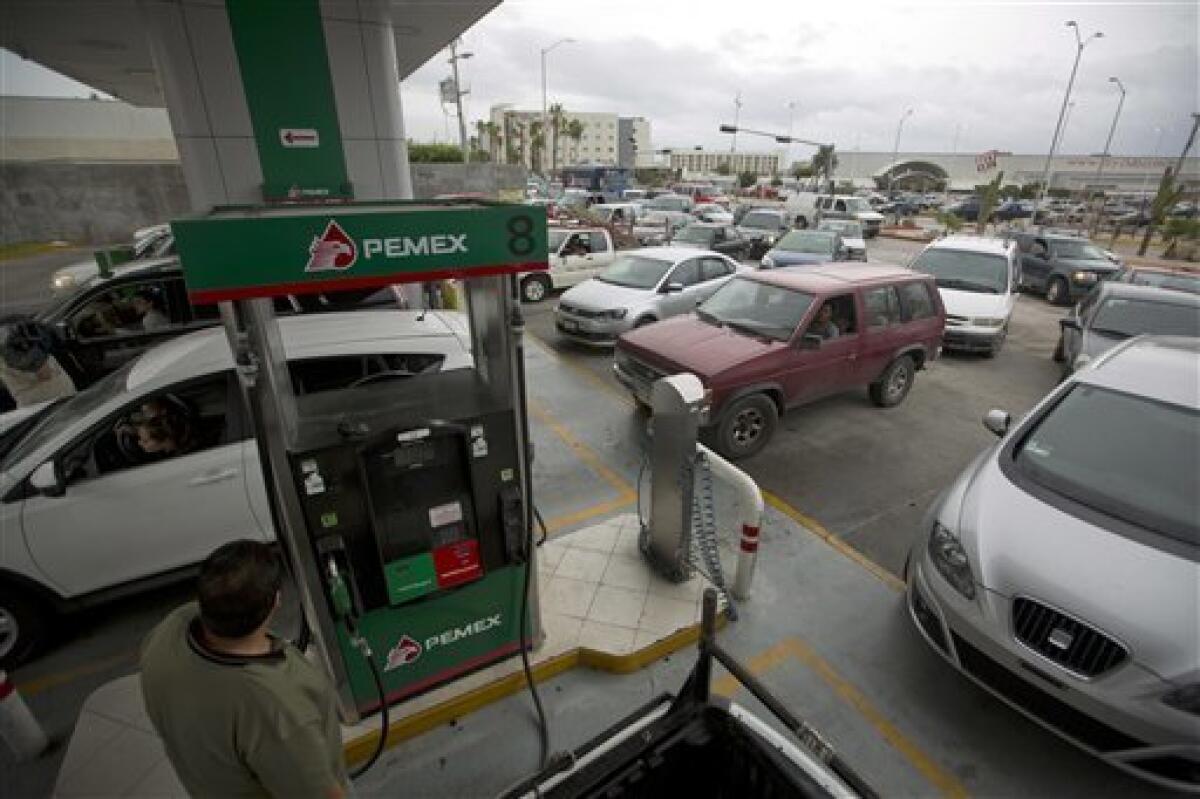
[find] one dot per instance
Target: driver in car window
(823, 325)
(160, 429)
(148, 305)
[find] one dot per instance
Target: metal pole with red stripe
(751, 507)
(18, 727)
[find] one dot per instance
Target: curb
(360, 748)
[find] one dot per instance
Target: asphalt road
(25, 282)
(866, 473)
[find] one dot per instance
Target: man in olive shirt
(240, 712)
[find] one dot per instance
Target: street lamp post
(1080, 43)
(1107, 144)
(896, 150)
(455, 57)
(545, 111)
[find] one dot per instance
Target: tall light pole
(1108, 143)
(787, 148)
(545, 112)
(1080, 43)
(896, 150)
(455, 57)
(1062, 134)
(737, 112)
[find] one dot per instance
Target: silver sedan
(1060, 571)
(640, 287)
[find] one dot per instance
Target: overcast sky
(994, 70)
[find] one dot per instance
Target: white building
(699, 163)
(604, 138)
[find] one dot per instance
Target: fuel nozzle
(339, 590)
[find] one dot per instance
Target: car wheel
(1059, 356)
(893, 386)
(746, 426)
(24, 624)
(1057, 292)
(534, 288)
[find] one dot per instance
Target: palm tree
(492, 130)
(574, 132)
(557, 120)
(537, 146)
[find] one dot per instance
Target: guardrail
(750, 518)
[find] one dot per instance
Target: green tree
(802, 170)
(1010, 191)
(558, 121)
(419, 153)
(951, 222)
(1168, 194)
(988, 200)
(575, 133)
(1029, 191)
(723, 168)
(747, 179)
(537, 146)
(776, 180)
(824, 162)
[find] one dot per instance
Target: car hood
(869, 216)
(1104, 267)
(688, 344)
(974, 303)
(1020, 545)
(793, 258)
(596, 295)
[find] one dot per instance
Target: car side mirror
(1070, 322)
(672, 288)
(46, 481)
(997, 421)
(810, 341)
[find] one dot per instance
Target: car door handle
(208, 478)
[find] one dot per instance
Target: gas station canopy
(103, 43)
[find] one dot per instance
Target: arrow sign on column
(299, 137)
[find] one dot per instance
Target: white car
(979, 280)
(86, 517)
(576, 254)
(711, 212)
(851, 232)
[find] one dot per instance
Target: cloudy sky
(995, 71)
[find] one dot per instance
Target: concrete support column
(361, 46)
(193, 52)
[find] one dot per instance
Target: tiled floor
(596, 592)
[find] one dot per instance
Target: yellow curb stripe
(727, 685)
(583, 452)
(831, 538)
(40, 684)
(946, 783)
(556, 524)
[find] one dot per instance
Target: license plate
(567, 324)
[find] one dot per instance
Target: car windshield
(761, 309)
(669, 203)
(557, 237)
(1079, 251)
(1141, 470)
(635, 272)
(69, 411)
(694, 234)
(857, 205)
(966, 271)
(1128, 317)
(848, 229)
(1167, 280)
(761, 221)
(814, 242)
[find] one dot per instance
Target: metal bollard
(18, 727)
(751, 518)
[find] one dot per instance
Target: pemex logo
(332, 251)
(404, 652)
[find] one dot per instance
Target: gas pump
(402, 501)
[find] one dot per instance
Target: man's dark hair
(237, 588)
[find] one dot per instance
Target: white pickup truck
(576, 254)
(806, 208)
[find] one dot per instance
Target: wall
(94, 203)
(70, 129)
(88, 203)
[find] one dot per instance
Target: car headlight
(770, 240)
(950, 559)
(1186, 699)
(768, 261)
(1084, 277)
(616, 313)
(988, 321)
(63, 281)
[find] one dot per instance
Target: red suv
(771, 340)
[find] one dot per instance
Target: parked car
(711, 212)
(721, 237)
(806, 208)
(1117, 311)
(967, 210)
(1059, 570)
(769, 341)
(1179, 278)
(805, 247)
(70, 467)
(576, 254)
(977, 280)
(640, 287)
(852, 236)
(621, 213)
(1063, 268)
(678, 203)
(1014, 209)
(762, 227)
(149, 244)
(657, 227)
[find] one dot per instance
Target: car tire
(1057, 292)
(535, 288)
(894, 384)
(746, 426)
(24, 626)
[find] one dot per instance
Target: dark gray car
(1118, 311)
(1063, 268)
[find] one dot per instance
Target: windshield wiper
(711, 318)
(748, 328)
